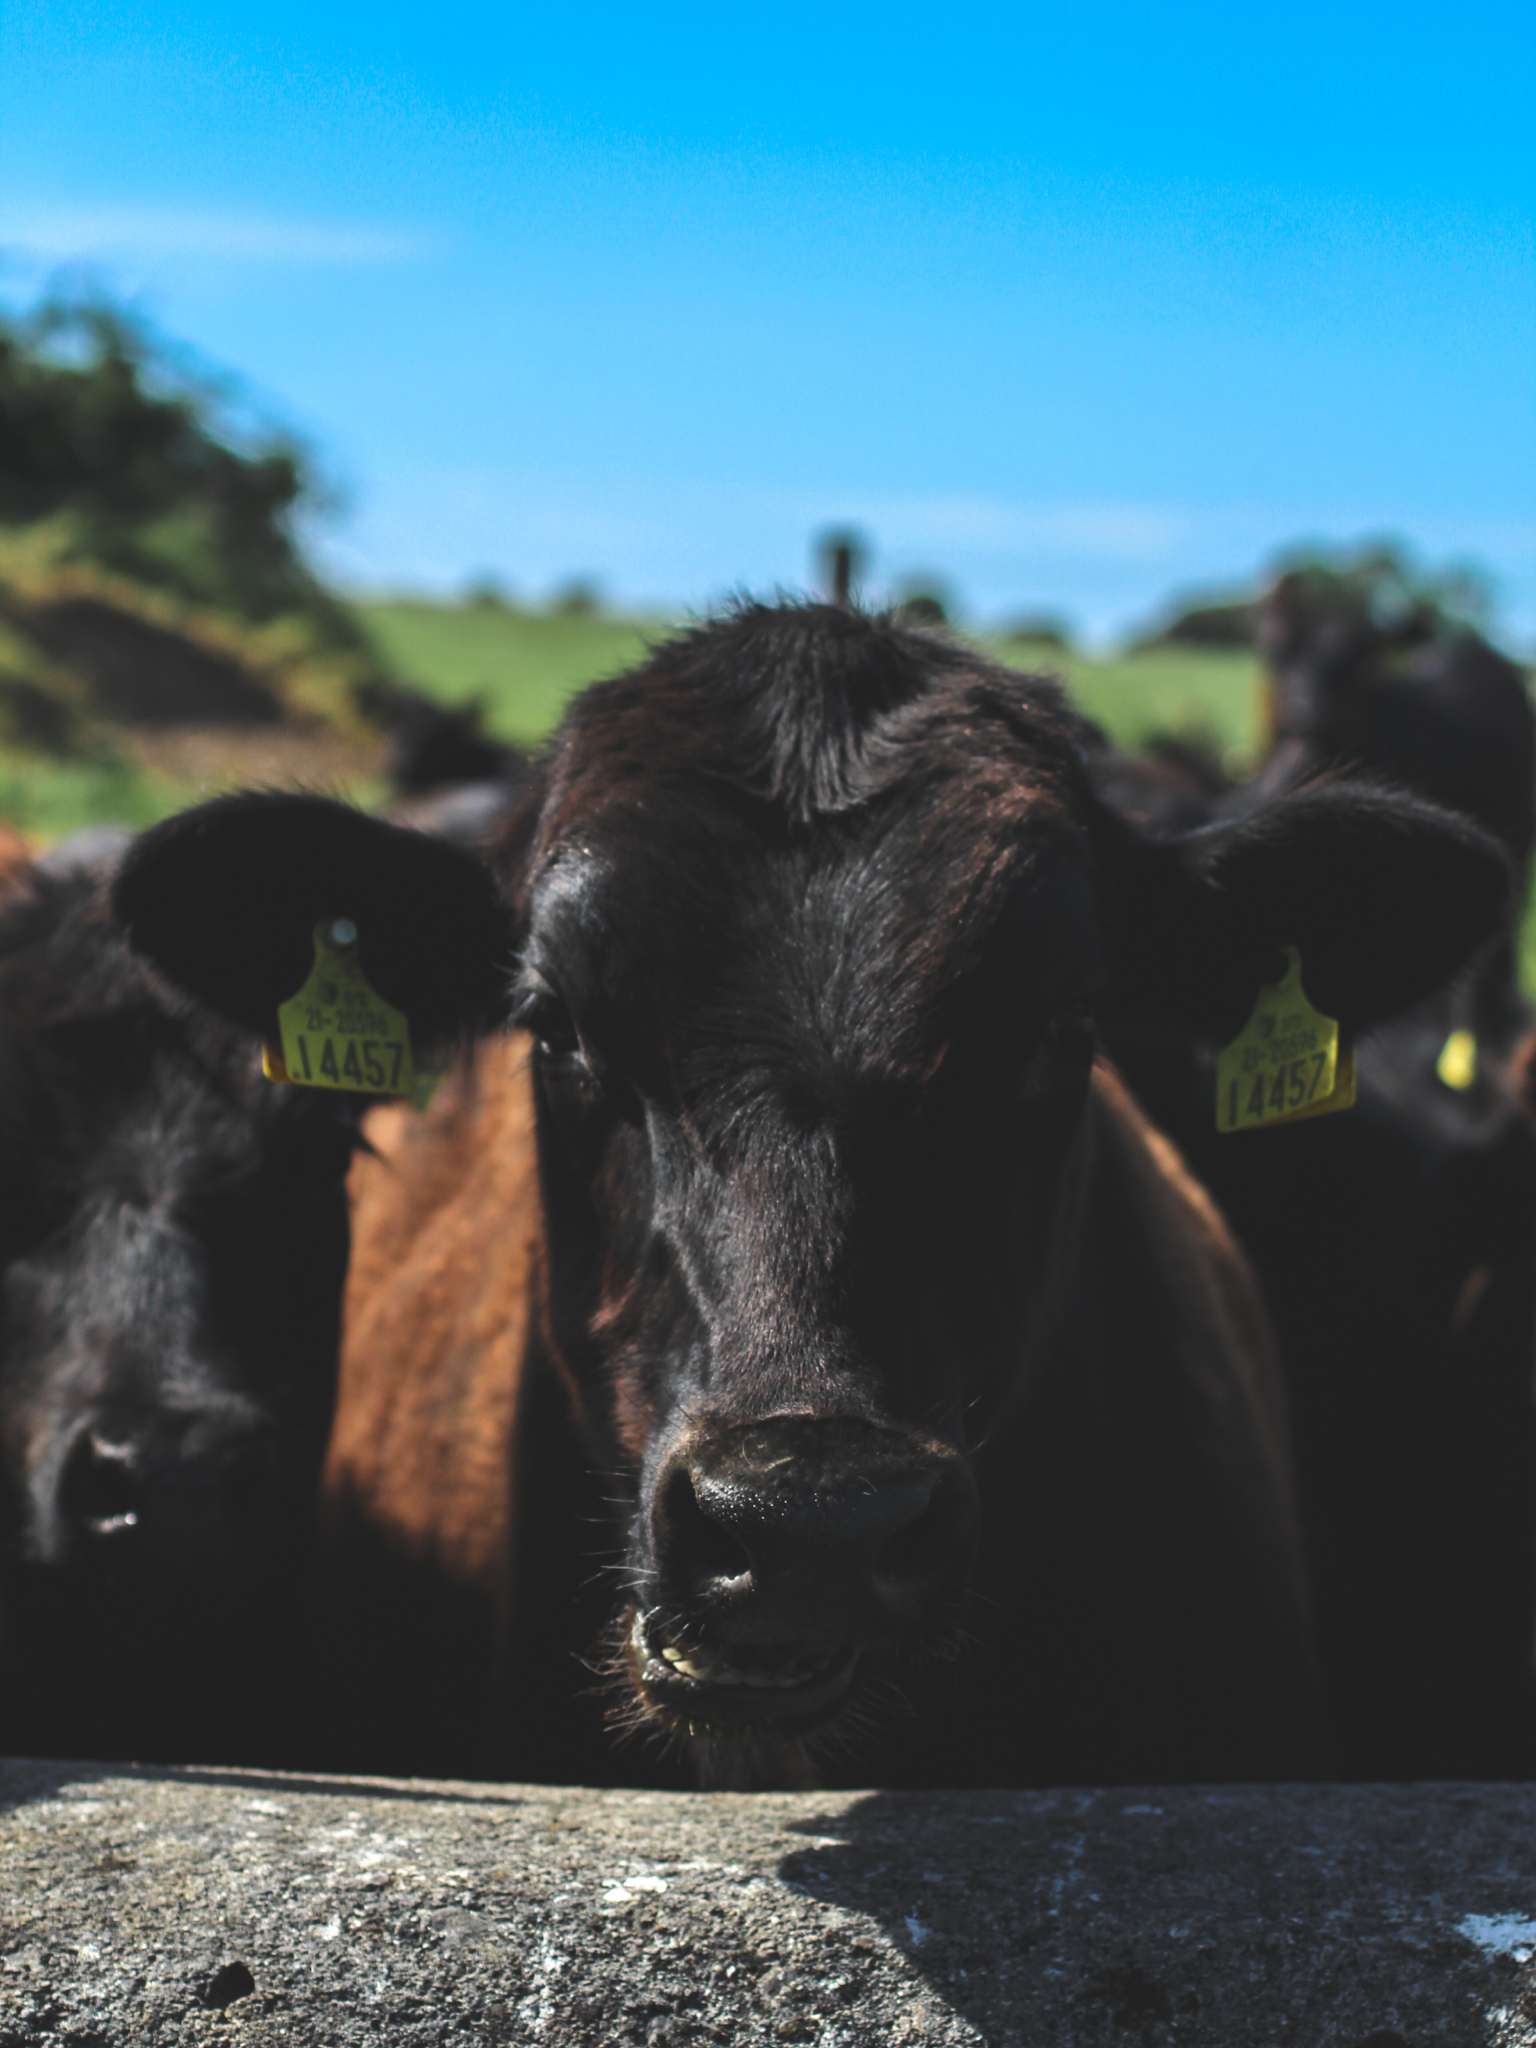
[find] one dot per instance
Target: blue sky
(1071, 306)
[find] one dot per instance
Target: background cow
(1410, 700)
(173, 1238)
(935, 1409)
(1397, 1244)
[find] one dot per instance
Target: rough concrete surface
(229, 1907)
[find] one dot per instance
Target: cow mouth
(743, 1687)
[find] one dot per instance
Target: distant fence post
(843, 555)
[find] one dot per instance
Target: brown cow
(801, 1267)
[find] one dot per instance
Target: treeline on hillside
(151, 571)
(101, 428)
(1378, 588)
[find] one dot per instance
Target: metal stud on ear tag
(1286, 1063)
(337, 1032)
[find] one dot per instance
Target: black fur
(173, 1238)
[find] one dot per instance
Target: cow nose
(186, 1497)
(813, 1533)
(99, 1490)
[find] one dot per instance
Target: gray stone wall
(220, 1906)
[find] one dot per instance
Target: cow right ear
(223, 901)
(1383, 896)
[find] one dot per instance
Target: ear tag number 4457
(1286, 1063)
(337, 1032)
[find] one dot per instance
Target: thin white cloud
(93, 233)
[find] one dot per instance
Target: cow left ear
(224, 899)
(1383, 896)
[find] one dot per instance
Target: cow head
(172, 1244)
(807, 924)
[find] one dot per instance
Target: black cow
(1396, 1245)
(1405, 702)
(435, 746)
(933, 1412)
(173, 1240)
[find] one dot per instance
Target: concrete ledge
(217, 1906)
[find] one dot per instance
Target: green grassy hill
(1207, 697)
(521, 666)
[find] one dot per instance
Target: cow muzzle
(787, 1552)
(162, 1494)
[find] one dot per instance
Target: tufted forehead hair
(812, 709)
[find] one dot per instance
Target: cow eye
(548, 1022)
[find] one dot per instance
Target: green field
(47, 799)
(522, 666)
(1213, 698)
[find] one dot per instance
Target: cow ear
(223, 900)
(1383, 896)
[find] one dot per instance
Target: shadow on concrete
(1126, 1919)
(24, 1779)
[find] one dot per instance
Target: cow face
(172, 1245)
(808, 1072)
(808, 925)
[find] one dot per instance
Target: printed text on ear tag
(337, 1033)
(1285, 1064)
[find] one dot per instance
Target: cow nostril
(705, 1547)
(100, 1491)
(930, 1544)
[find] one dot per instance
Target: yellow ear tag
(1457, 1064)
(1285, 1064)
(337, 1033)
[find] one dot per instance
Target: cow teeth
(709, 1667)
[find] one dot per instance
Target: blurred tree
(1219, 622)
(1376, 589)
(579, 597)
(102, 432)
(486, 592)
(1380, 587)
(1041, 629)
(924, 600)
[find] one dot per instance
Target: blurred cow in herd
(1396, 1245)
(1406, 701)
(795, 1301)
(173, 1240)
(433, 745)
